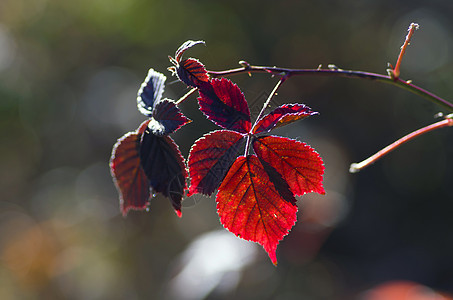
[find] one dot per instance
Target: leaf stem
(265, 105)
(335, 72)
(274, 91)
(247, 146)
(356, 167)
(180, 100)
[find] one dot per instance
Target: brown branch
(335, 72)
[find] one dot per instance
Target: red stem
(412, 28)
(356, 167)
(183, 98)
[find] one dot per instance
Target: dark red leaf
(299, 164)
(192, 72)
(250, 207)
(186, 45)
(128, 176)
(224, 104)
(164, 166)
(150, 92)
(210, 158)
(167, 118)
(282, 115)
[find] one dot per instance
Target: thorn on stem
(439, 115)
(245, 64)
(391, 73)
(333, 67)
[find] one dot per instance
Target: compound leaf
(250, 207)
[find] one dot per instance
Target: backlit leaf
(210, 158)
(150, 92)
(192, 72)
(299, 164)
(250, 207)
(224, 104)
(186, 45)
(164, 166)
(128, 175)
(167, 118)
(280, 184)
(282, 115)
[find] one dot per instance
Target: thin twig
(356, 167)
(180, 100)
(396, 71)
(265, 105)
(247, 68)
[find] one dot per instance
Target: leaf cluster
(256, 189)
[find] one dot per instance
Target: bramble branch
(393, 78)
(335, 72)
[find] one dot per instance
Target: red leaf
(299, 164)
(128, 176)
(282, 115)
(164, 166)
(210, 158)
(168, 116)
(224, 104)
(279, 183)
(250, 207)
(192, 72)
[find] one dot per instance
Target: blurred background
(69, 74)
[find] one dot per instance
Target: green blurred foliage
(69, 74)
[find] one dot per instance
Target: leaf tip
(273, 256)
(186, 45)
(192, 191)
(123, 210)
